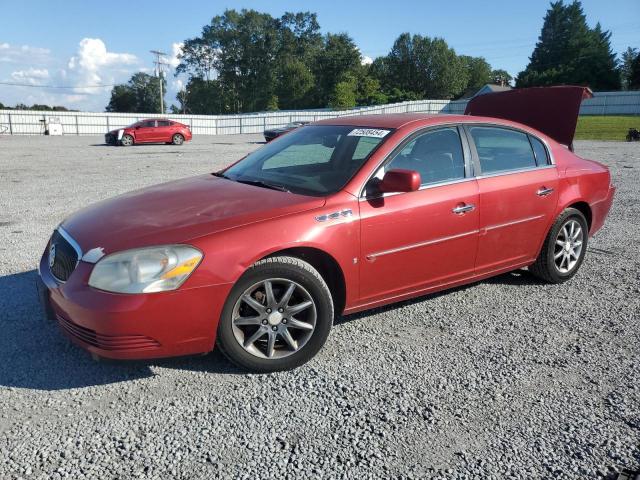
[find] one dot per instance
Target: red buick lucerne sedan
(336, 217)
(152, 130)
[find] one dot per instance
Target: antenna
(160, 64)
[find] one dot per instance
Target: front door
(412, 241)
(518, 196)
(146, 132)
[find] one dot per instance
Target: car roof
(398, 120)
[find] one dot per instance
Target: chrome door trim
(512, 172)
(373, 256)
(515, 222)
(469, 150)
(422, 187)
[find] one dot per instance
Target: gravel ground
(504, 378)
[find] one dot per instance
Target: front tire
(177, 139)
(126, 140)
(564, 248)
(277, 316)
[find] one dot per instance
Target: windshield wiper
(220, 174)
(263, 184)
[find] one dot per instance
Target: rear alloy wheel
(126, 140)
(277, 316)
(177, 139)
(564, 248)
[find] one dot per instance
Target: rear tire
(177, 139)
(564, 248)
(258, 330)
(126, 141)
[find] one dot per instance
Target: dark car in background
(152, 130)
(276, 132)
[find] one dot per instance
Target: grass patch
(596, 127)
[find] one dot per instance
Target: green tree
(501, 77)
(344, 93)
(141, 94)
(478, 71)
(569, 52)
(337, 58)
(425, 66)
(295, 83)
(634, 75)
(626, 66)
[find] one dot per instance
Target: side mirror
(398, 180)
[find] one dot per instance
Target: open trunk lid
(550, 110)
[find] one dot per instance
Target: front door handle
(460, 209)
(544, 191)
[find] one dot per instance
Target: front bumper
(110, 139)
(127, 327)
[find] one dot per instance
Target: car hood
(179, 211)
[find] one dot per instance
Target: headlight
(145, 270)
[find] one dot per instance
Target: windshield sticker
(368, 132)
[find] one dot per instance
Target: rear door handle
(463, 208)
(544, 191)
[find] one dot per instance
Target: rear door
(517, 187)
(164, 131)
(146, 132)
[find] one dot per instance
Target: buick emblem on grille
(52, 255)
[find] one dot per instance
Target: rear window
(164, 123)
(502, 150)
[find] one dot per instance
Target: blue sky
(79, 43)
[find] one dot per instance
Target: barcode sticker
(368, 132)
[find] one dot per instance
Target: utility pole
(160, 64)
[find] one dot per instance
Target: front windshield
(312, 160)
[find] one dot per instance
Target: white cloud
(92, 58)
(34, 76)
(176, 49)
(20, 54)
(366, 60)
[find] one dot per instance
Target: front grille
(107, 342)
(65, 258)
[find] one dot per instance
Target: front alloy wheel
(277, 316)
(274, 318)
(126, 140)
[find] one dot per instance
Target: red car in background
(152, 130)
(336, 217)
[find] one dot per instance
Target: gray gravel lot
(504, 378)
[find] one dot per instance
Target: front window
(313, 160)
(436, 155)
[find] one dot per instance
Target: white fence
(28, 122)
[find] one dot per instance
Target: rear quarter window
(540, 151)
